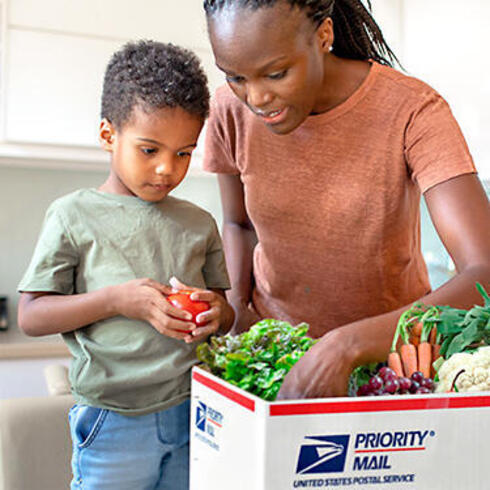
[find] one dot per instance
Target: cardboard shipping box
(241, 442)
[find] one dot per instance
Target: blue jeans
(117, 452)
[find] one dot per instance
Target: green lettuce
(257, 360)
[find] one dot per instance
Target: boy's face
(151, 152)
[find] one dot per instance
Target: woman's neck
(342, 78)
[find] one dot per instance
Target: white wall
(54, 57)
(444, 42)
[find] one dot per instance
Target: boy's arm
(43, 313)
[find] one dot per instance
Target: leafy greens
(257, 360)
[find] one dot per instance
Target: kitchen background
(53, 54)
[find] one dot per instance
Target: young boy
(89, 278)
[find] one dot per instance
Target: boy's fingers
(203, 295)
(166, 289)
(169, 332)
(171, 310)
(152, 283)
(207, 316)
(167, 322)
(161, 288)
(202, 332)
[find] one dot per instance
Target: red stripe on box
(360, 405)
(226, 392)
(390, 450)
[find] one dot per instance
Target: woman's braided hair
(357, 35)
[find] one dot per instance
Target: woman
(323, 151)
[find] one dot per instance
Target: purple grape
(427, 383)
(392, 385)
(417, 376)
(375, 383)
(386, 373)
(422, 390)
(405, 384)
(414, 386)
(364, 390)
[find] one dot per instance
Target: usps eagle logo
(201, 415)
(324, 454)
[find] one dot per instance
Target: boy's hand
(219, 314)
(143, 299)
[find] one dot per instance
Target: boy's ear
(106, 134)
(325, 35)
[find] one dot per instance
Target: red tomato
(183, 301)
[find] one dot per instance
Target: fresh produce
(386, 382)
(463, 330)
(259, 359)
(433, 346)
(415, 328)
(183, 301)
(466, 372)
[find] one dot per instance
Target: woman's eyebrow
(260, 68)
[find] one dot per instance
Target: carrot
(435, 355)
(433, 336)
(414, 339)
(424, 351)
(395, 363)
(408, 354)
(416, 330)
(394, 360)
(436, 348)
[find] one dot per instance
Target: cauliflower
(475, 375)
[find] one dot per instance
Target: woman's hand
(322, 372)
(144, 299)
(217, 319)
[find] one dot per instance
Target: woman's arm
(239, 240)
(43, 313)
(460, 211)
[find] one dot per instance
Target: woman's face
(273, 60)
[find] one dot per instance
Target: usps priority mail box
(241, 442)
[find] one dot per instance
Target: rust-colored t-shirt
(335, 203)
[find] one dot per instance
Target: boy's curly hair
(153, 75)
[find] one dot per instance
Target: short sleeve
(220, 137)
(435, 148)
(214, 270)
(55, 258)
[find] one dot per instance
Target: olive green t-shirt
(90, 240)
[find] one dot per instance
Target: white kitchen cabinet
(179, 21)
(53, 87)
(54, 56)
